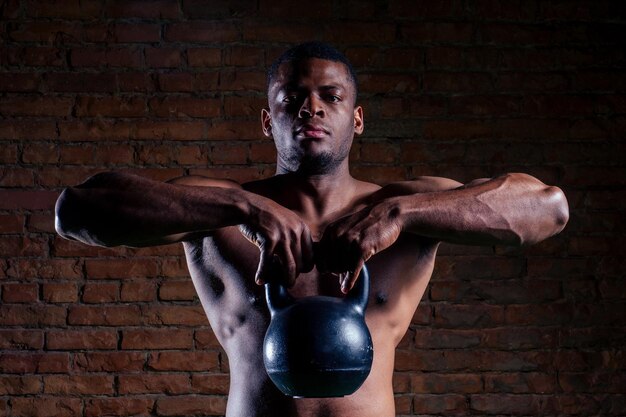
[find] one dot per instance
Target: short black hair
(313, 49)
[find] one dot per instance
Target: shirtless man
(239, 236)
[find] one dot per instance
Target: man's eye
(290, 99)
(333, 98)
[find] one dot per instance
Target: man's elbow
(554, 214)
(559, 207)
(62, 214)
(70, 221)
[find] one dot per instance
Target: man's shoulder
(202, 181)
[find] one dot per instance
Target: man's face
(312, 116)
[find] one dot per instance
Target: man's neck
(317, 196)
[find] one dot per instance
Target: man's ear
(266, 122)
(359, 124)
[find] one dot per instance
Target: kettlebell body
(318, 346)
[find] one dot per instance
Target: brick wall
(461, 89)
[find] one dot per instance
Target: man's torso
(223, 266)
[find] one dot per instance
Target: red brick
(506, 404)
(111, 107)
(170, 384)
(205, 339)
(19, 82)
(240, 56)
(135, 82)
(64, 9)
(45, 269)
(81, 339)
(20, 293)
(201, 31)
(403, 403)
(97, 130)
(229, 155)
(175, 268)
(177, 82)
(38, 153)
(440, 404)
(8, 154)
(16, 177)
(191, 405)
(119, 406)
(235, 106)
(31, 130)
(34, 363)
(262, 153)
(46, 32)
(37, 106)
(174, 315)
(46, 406)
(109, 361)
(389, 83)
(459, 316)
(447, 339)
(78, 384)
(77, 155)
(146, 9)
(171, 130)
(184, 361)
(11, 9)
(121, 268)
(22, 246)
(430, 383)
(210, 383)
(248, 81)
(136, 32)
(234, 130)
(523, 382)
(21, 339)
(378, 152)
(106, 58)
(457, 82)
(100, 292)
(44, 56)
(204, 57)
(157, 339)
(538, 314)
(11, 224)
(118, 315)
(19, 385)
(177, 291)
(163, 57)
(186, 107)
(81, 82)
(65, 292)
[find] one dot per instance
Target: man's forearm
(118, 209)
(513, 209)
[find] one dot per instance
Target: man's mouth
(312, 131)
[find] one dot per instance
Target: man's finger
(351, 277)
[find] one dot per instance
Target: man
(235, 234)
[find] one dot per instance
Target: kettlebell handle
(278, 298)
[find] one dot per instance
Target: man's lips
(312, 131)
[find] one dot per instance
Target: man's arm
(111, 209)
(512, 209)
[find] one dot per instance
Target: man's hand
(283, 239)
(350, 241)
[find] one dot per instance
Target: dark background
(461, 89)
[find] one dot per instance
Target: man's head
(308, 50)
(312, 114)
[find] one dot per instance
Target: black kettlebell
(318, 346)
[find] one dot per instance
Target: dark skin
(237, 236)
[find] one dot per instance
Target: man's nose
(311, 106)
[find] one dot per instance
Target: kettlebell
(318, 346)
